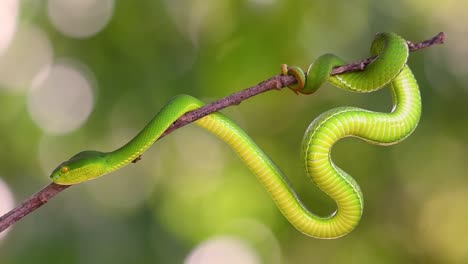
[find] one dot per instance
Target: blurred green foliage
(190, 187)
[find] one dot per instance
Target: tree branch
(274, 83)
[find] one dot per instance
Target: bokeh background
(89, 74)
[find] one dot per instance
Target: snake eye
(64, 169)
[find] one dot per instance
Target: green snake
(389, 67)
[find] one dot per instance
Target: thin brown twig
(274, 83)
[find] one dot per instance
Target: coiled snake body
(377, 128)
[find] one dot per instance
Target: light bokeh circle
(80, 18)
(8, 22)
(29, 53)
(223, 249)
(7, 202)
(61, 99)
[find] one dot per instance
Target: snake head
(83, 166)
